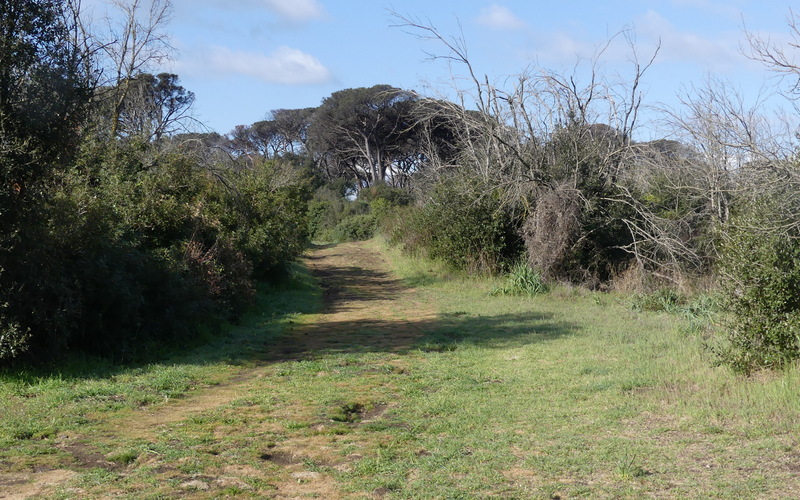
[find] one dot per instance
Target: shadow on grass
(349, 287)
(262, 324)
(356, 283)
(441, 334)
(268, 333)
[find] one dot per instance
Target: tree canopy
(364, 132)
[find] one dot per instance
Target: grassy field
(421, 385)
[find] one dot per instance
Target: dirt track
(364, 306)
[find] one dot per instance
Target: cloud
(720, 53)
(562, 47)
(296, 10)
(500, 18)
(284, 66)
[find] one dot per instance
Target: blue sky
(243, 58)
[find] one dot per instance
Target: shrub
(268, 216)
(355, 228)
(392, 196)
(137, 248)
(224, 272)
(328, 208)
(578, 238)
(460, 227)
(760, 275)
(131, 300)
(334, 217)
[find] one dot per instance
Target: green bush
(328, 208)
(267, 214)
(355, 228)
(333, 217)
(461, 228)
(389, 195)
(137, 248)
(760, 275)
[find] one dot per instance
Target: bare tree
(778, 57)
(554, 146)
(138, 43)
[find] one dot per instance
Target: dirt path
(364, 303)
(366, 308)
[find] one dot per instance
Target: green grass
(38, 404)
(562, 395)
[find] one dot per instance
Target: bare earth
(364, 305)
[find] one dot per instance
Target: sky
(244, 58)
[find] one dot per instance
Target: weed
(627, 468)
(348, 412)
(521, 280)
(124, 457)
(664, 299)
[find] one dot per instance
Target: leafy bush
(760, 274)
(267, 214)
(328, 208)
(334, 217)
(138, 247)
(355, 228)
(384, 193)
(459, 227)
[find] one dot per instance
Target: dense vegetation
(120, 227)
(117, 234)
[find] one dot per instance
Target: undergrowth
(521, 280)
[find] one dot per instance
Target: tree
(362, 131)
(43, 84)
(137, 42)
(285, 132)
(291, 128)
(153, 106)
(44, 89)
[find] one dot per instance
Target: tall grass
(521, 279)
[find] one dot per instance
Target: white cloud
(296, 10)
(563, 47)
(720, 53)
(500, 18)
(285, 66)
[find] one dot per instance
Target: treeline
(121, 229)
(116, 233)
(548, 171)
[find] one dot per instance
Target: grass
(562, 395)
(40, 403)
